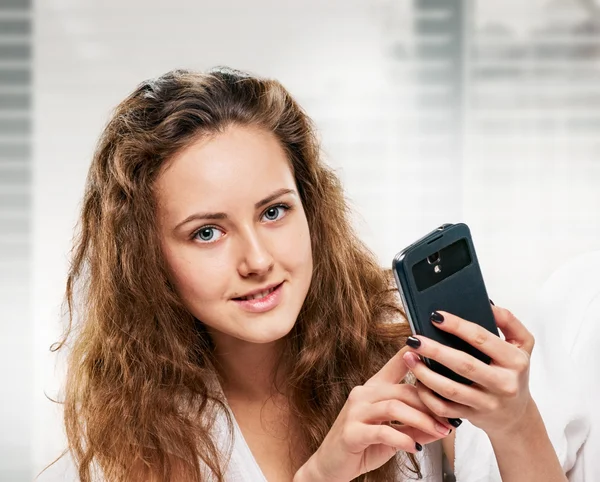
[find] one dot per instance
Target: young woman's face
(235, 235)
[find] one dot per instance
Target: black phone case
(463, 293)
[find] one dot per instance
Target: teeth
(258, 295)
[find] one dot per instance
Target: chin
(255, 328)
(269, 334)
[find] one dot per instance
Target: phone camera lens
(434, 258)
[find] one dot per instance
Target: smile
(261, 302)
(258, 295)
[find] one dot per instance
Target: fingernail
(410, 359)
(442, 429)
(436, 317)
(493, 304)
(455, 422)
(413, 342)
(418, 446)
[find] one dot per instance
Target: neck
(248, 369)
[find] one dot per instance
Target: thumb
(513, 330)
(393, 371)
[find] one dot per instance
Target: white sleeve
(564, 377)
(567, 326)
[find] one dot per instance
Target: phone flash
(437, 268)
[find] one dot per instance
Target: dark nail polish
(418, 446)
(436, 317)
(455, 422)
(413, 342)
(493, 304)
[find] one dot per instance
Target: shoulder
(567, 327)
(565, 364)
(565, 275)
(567, 308)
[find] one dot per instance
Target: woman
(233, 327)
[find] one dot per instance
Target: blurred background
(432, 111)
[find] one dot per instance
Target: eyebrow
(258, 205)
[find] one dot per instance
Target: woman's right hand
(361, 438)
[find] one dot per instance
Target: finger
(475, 335)
(392, 372)
(417, 435)
(514, 331)
(361, 436)
(396, 410)
(458, 361)
(402, 392)
(441, 408)
(379, 392)
(411, 397)
(447, 388)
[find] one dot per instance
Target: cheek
(295, 252)
(198, 282)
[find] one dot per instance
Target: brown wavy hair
(139, 385)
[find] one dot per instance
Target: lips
(262, 294)
(257, 294)
(261, 301)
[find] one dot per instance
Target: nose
(256, 260)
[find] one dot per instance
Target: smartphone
(440, 271)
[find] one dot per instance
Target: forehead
(239, 166)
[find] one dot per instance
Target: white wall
(334, 57)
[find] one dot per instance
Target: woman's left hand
(497, 400)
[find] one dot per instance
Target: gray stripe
(24, 4)
(15, 27)
(15, 126)
(15, 52)
(15, 151)
(435, 26)
(15, 101)
(16, 208)
(431, 4)
(15, 226)
(12, 177)
(15, 200)
(445, 51)
(14, 250)
(16, 76)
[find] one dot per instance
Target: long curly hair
(140, 378)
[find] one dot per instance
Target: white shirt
(564, 377)
(564, 382)
(243, 467)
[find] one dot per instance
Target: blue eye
(276, 212)
(211, 234)
(206, 234)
